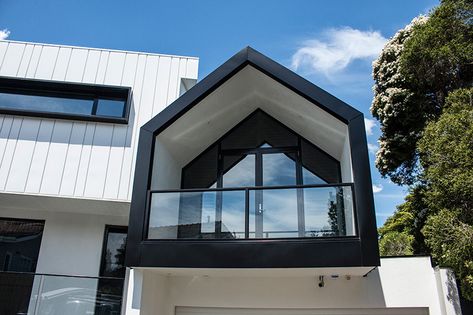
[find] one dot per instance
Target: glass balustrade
(38, 294)
(252, 213)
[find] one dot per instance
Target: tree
(394, 105)
(405, 226)
(417, 68)
(424, 102)
(451, 241)
(396, 244)
(446, 151)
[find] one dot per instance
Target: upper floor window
(64, 100)
(260, 151)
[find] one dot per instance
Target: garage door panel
(269, 311)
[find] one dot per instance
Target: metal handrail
(59, 275)
(250, 188)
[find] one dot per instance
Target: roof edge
(276, 71)
(99, 49)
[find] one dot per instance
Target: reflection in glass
(62, 105)
(20, 241)
(310, 178)
(113, 108)
(212, 214)
(239, 171)
(15, 292)
(273, 213)
(58, 295)
(317, 203)
(46, 103)
(208, 218)
(164, 215)
(233, 214)
(114, 256)
(278, 169)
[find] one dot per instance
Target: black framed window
(228, 162)
(259, 154)
(64, 100)
(113, 252)
(112, 266)
(20, 241)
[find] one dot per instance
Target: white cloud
(377, 188)
(369, 125)
(4, 34)
(372, 148)
(337, 48)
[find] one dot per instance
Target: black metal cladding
(361, 250)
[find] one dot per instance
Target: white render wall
(72, 242)
(402, 282)
(74, 158)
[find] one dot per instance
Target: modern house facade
(126, 187)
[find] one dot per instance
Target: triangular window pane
(310, 178)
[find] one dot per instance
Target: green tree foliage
(446, 150)
(396, 244)
(424, 102)
(408, 219)
(451, 241)
(417, 68)
(395, 106)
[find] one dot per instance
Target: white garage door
(256, 311)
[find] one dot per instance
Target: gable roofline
(276, 71)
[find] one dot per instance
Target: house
(128, 188)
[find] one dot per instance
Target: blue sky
(331, 43)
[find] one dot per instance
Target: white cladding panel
(75, 158)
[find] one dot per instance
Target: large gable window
(260, 180)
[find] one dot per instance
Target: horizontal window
(64, 100)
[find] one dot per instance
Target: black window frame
(296, 149)
(109, 229)
(40, 241)
(67, 90)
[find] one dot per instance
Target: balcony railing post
(247, 213)
(38, 297)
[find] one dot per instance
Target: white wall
(399, 282)
(166, 173)
(74, 158)
(71, 242)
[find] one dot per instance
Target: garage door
(267, 311)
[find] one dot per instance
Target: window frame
(70, 90)
(109, 229)
(297, 149)
(42, 221)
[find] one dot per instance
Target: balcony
(273, 212)
(41, 294)
(252, 123)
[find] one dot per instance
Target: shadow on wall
(452, 293)
(69, 131)
(373, 290)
